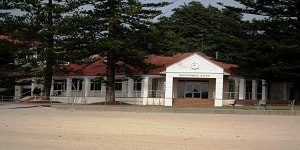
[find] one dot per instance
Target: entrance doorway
(193, 89)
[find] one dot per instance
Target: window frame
(77, 84)
(95, 85)
(118, 85)
(137, 85)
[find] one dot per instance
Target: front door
(193, 89)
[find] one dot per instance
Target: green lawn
(297, 107)
(262, 108)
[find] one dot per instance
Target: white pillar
(18, 91)
(103, 89)
(145, 83)
(264, 92)
(169, 91)
(144, 90)
(254, 90)
(129, 87)
(219, 92)
(52, 88)
(69, 87)
(236, 88)
(34, 84)
(242, 89)
(87, 86)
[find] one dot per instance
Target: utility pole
(201, 41)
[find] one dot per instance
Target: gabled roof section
(226, 66)
(98, 66)
(164, 61)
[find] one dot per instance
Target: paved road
(21, 105)
(77, 128)
(162, 109)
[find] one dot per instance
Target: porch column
(264, 90)
(169, 91)
(18, 91)
(129, 87)
(242, 89)
(52, 88)
(254, 90)
(219, 92)
(145, 89)
(34, 84)
(103, 89)
(236, 89)
(87, 86)
(69, 87)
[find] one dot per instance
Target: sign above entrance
(195, 75)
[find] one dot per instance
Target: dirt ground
(49, 128)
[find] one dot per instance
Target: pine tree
(121, 31)
(38, 25)
(207, 29)
(273, 44)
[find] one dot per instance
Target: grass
(297, 107)
(262, 108)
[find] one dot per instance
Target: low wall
(228, 102)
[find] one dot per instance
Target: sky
(167, 11)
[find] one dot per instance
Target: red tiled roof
(98, 67)
(165, 61)
(6, 38)
(95, 68)
(14, 41)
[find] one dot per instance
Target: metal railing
(99, 93)
(8, 98)
(235, 95)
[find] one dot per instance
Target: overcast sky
(167, 11)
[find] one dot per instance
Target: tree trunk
(110, 77)
(48, 81)
(50, 59)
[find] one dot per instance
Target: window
(248, 89)
(77, 84)
(137, 85)
(154, 92)
(231, 85)
(231, 92)
(95, 85)
(58, 87)
(118, 85)
(193, 89)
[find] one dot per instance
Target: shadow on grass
(243, 107)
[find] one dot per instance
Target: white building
(182, 79)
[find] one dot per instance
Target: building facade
(182, 79)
